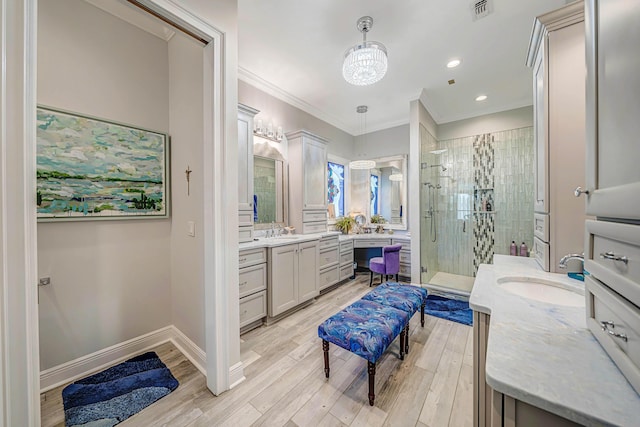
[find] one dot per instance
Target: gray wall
(110, 279)
(383, 143)
(504, 120)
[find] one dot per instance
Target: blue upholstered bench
(365, 328)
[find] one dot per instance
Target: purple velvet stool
(387, 264)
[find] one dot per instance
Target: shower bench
(368, 326)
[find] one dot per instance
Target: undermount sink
(541, 290)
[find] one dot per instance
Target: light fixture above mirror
(267, 131)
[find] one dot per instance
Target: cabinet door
(541, 203)
(315, 175)
(283, 287)
(245, 162)
(613, 84)
(308, 278)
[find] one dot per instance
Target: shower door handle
(464, 226)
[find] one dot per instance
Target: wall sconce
(267, 132)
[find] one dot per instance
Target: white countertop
(367, 236)
(543, 354)
(271, 242)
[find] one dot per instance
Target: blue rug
(450, 309)
(113, 395)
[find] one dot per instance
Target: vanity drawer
(371, 243)
(245, 218)
(252, 257)
(312, 216)
(541, 253)
(252, 279)
(405, 270)
(615, 323)
(346, 271)
(329, 277)
(406, 244)
(405, 257)
(328, 257)
(245, 234)
(346, 257)
(346, 246)
(613, 256)
(329, 242)
(252, 308)
(314, 227)
(541, 226)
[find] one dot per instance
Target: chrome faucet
(566, 258)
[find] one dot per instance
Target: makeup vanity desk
(367, 246)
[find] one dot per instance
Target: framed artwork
(89, 168)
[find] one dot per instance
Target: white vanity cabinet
(245, 172)
(346, 260)
(557, 57)
(293, 275)
(329, 261)
(405, 256)
(307, 182)
(252, 283)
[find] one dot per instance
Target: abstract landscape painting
(94, 169)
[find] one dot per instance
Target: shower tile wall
(497, 167)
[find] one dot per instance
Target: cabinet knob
(579, 191)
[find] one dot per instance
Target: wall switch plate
(44, 281)
(191, 228)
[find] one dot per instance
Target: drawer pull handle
(579, 192)
(243, 283)
(613, 257)
(243, 259)
(605, 327)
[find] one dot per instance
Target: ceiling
(293, 49)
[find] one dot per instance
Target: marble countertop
(271, 242)
(543, 354)
(397, 236)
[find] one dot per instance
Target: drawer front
(329, 277)
(252, 279)
(328, 242)
(245, 234)
(346, 257)
(405, 270)
(371, 243)
(616, 325)
(313, 216)
(252, 308)
(346, 271)
(406, 244)
(541, 253)
(405, 257)
(245, 218)
(252, 257)
(541, 226)
(314, 227)
(613, 257)
(328, 257)
(346, 246)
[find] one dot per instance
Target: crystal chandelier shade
(366, 62)
(362, 164)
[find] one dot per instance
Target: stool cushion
(376, 265)
(407, 298)
(365, 328)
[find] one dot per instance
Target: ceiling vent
(481, 8)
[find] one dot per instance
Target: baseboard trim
(236, 375)
(101, 359)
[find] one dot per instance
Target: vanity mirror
(382, 191)
(270, 192)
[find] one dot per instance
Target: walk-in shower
(477, 196)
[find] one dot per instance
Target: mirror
(269, 187)
(382, 191)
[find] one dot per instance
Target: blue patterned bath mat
(450, 309)
(113, 395)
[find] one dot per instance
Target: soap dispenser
(523, 249)
(513, 249)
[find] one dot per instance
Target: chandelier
(365, 63)
(362, 164)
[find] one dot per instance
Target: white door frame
(19, 346)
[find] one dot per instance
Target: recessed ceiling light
(453, 63)
(481, 98)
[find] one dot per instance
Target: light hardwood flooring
(286, 386)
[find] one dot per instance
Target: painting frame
(90, 168)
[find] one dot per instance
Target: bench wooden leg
(371, 368)
(402, 343)
(422, 315)
(406, 340)
(325, 349)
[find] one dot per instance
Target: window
(335, 189)
(374, 194)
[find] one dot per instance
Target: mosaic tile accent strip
(483, 180)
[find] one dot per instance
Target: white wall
(504, 120)
(383, 143)
(186, 93)
(292, 119)
(110, 279)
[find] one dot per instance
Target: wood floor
(286, 386)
